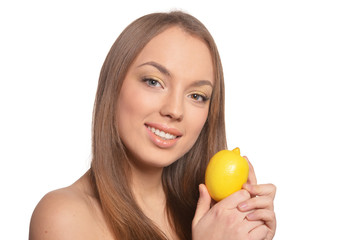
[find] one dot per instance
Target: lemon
(226, 173)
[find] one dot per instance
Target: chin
(160, 163)
(152, 160)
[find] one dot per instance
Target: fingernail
(243, 206)
(250, 216)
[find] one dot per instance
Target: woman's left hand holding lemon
(260, 204)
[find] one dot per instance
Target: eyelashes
(196, 96)
(199, 97)
(151, 82)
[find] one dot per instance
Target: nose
(173, 107)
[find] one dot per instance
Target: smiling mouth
(162, 134)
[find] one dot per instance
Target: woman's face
(165, 97)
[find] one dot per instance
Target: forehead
(180, 52)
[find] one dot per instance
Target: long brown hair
(110, 166)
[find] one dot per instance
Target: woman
(158, 118)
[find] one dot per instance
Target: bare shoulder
(59, 214)
(68, 213)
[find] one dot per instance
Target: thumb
(252, 179)
(203, 205)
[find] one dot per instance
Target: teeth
(162, 134)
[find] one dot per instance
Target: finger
(254, 224)
(259, 233)
(261, 190)
(251, 174)
(267, 216)
(234, 199)
(203, 205)
(256, 203)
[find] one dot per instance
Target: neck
(147, 186)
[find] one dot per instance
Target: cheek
(132, 106)
(129, 111)
(196, 121)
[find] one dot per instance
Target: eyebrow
(165, 71)
(158, 66)
(202, 83)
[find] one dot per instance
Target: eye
(198, 97)
(152, 82)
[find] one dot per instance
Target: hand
(261, 205)
(223, 220)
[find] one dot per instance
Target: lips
(162, 135)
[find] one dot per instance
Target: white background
(292, 72)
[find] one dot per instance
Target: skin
(164, 87)
(247, 214)
(167, 86)
(69, 213)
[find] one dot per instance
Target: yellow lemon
(226, 172)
